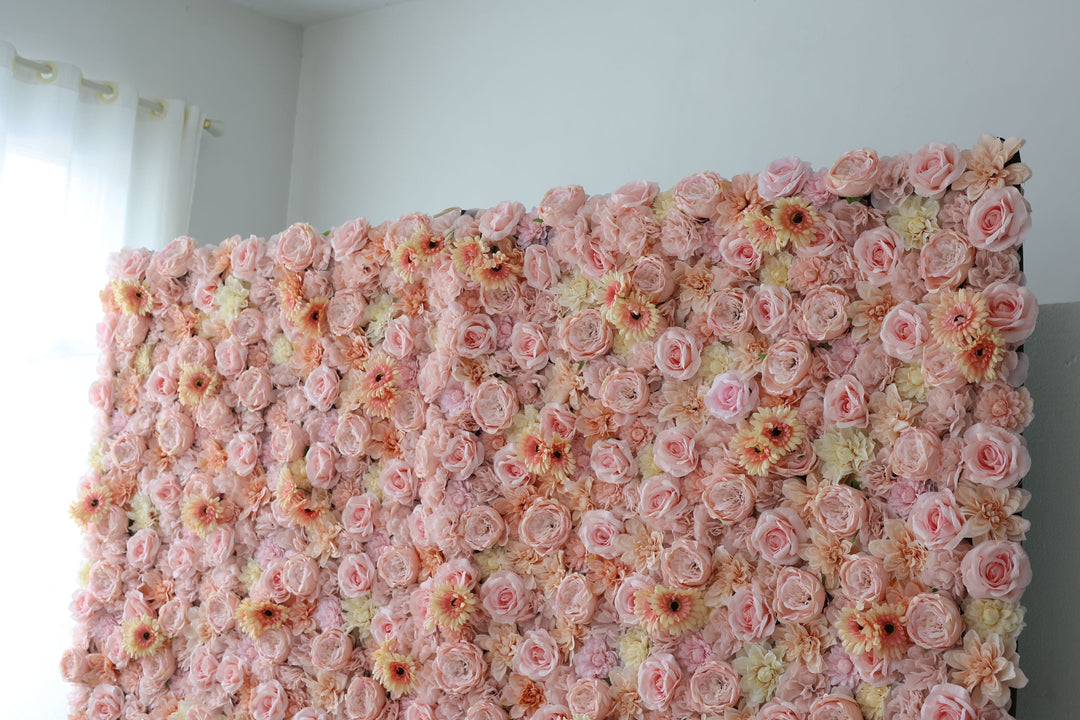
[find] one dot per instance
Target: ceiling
(309, 12)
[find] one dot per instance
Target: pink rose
(494, 404)
(625, 391)
(545, 525)
(268, 701)
(612, 461)
(915, 454)
(777, 709)
(331, 650)
(786, 369)
(730, 499)
(674, 452)
(853, 174)
(243, 453)
(687, 563)
(176, 432)
(824, 313)
(678, 355)
(364, 698)
(771, 309)
(482, 527)
(541, 270)
(231, 357)
(995, 456)
(475, 336)
(319, 461)
(590, 698)
(698, 195)
(730, 398)
(398, 566)
(501, 220)
(936, 520)
(598, 530)
(948, 702)
(658, 677)
(878, 252)
(352, 434)
(998, 570)
(800, 596)
(398, 339)
(106, 703)
(738, 252)
(934, 167)
(634, 194)
(728, 312)
(104, 581)
(504, 597)
(537, 655)
(652, 277)
(841, 510)
(355, 575)
(248, 326)
(462, 455)
(349, 238)
(358, 516)
(783, 177)
(714, 686)
(298, 247)
(999, 220)
(174, 259)
(528, 346)
(944, 261)
(749, 615)
(254, 389)
(933, 621)
(864, 578)
(509, 468)
(488, 709)
(834, 707)
(846, 403)
(904, 331)
(142, 548)
(1013, 310)
(585, 335)
(230, 673)
(573, 601)
(398, 482)
(560, 205)
(778, 534)
(346, 312)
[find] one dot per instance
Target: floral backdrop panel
(742, 448)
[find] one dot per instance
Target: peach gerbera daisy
(498, 272)
(257, 616)
(406, 261)
(762, 232)
(395, 671)
(535, 452)
(857, 634)
(958, 317)
(310, 317)
(888, 623)
(670, 611)
(614, 286)
(143, 636)
(93, 505)
(378, 391)
(197, 383)
(979, 359)
(468, 255)
(635, 317)
(779, 426)
(451, 606)
(201, 514)
(795, 221)
(133, 297)
(752, 452)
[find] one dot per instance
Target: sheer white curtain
(80, 176)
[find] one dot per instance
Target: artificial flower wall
(743, 448)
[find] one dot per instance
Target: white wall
(237, 65)
(436, 103)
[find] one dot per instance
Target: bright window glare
(54, 265)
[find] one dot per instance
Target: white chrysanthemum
(988, 617)
(647, 464)
(843, 451)
(716, 359)
(633, 647)
(377, 315)
(281, 349)
(490, 561)
(664, 201)
(143, 514)
(370, 481)
(575, 292)
(358, 613)
(916, 220)
(144, 360)
(250, 574)
(911, 383)
(871, 700)
(231, 298)
(760, 670)
(774, 271)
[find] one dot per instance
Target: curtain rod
(107, 90)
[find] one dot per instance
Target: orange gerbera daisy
(778, 426)
(958, 317)
(795, 222)
(980, 358)
(378, 385)
(257, 616)
(535, 452)
(888, 624)
(752, 452)
(451, 606)
(406, 261)
(614, 286)
(309, 316)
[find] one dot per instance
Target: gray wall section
(1050, 645)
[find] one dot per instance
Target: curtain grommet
(109, 94)
(47, 75)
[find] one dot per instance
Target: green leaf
(762, 355)
(538, 220)
(326, 233)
